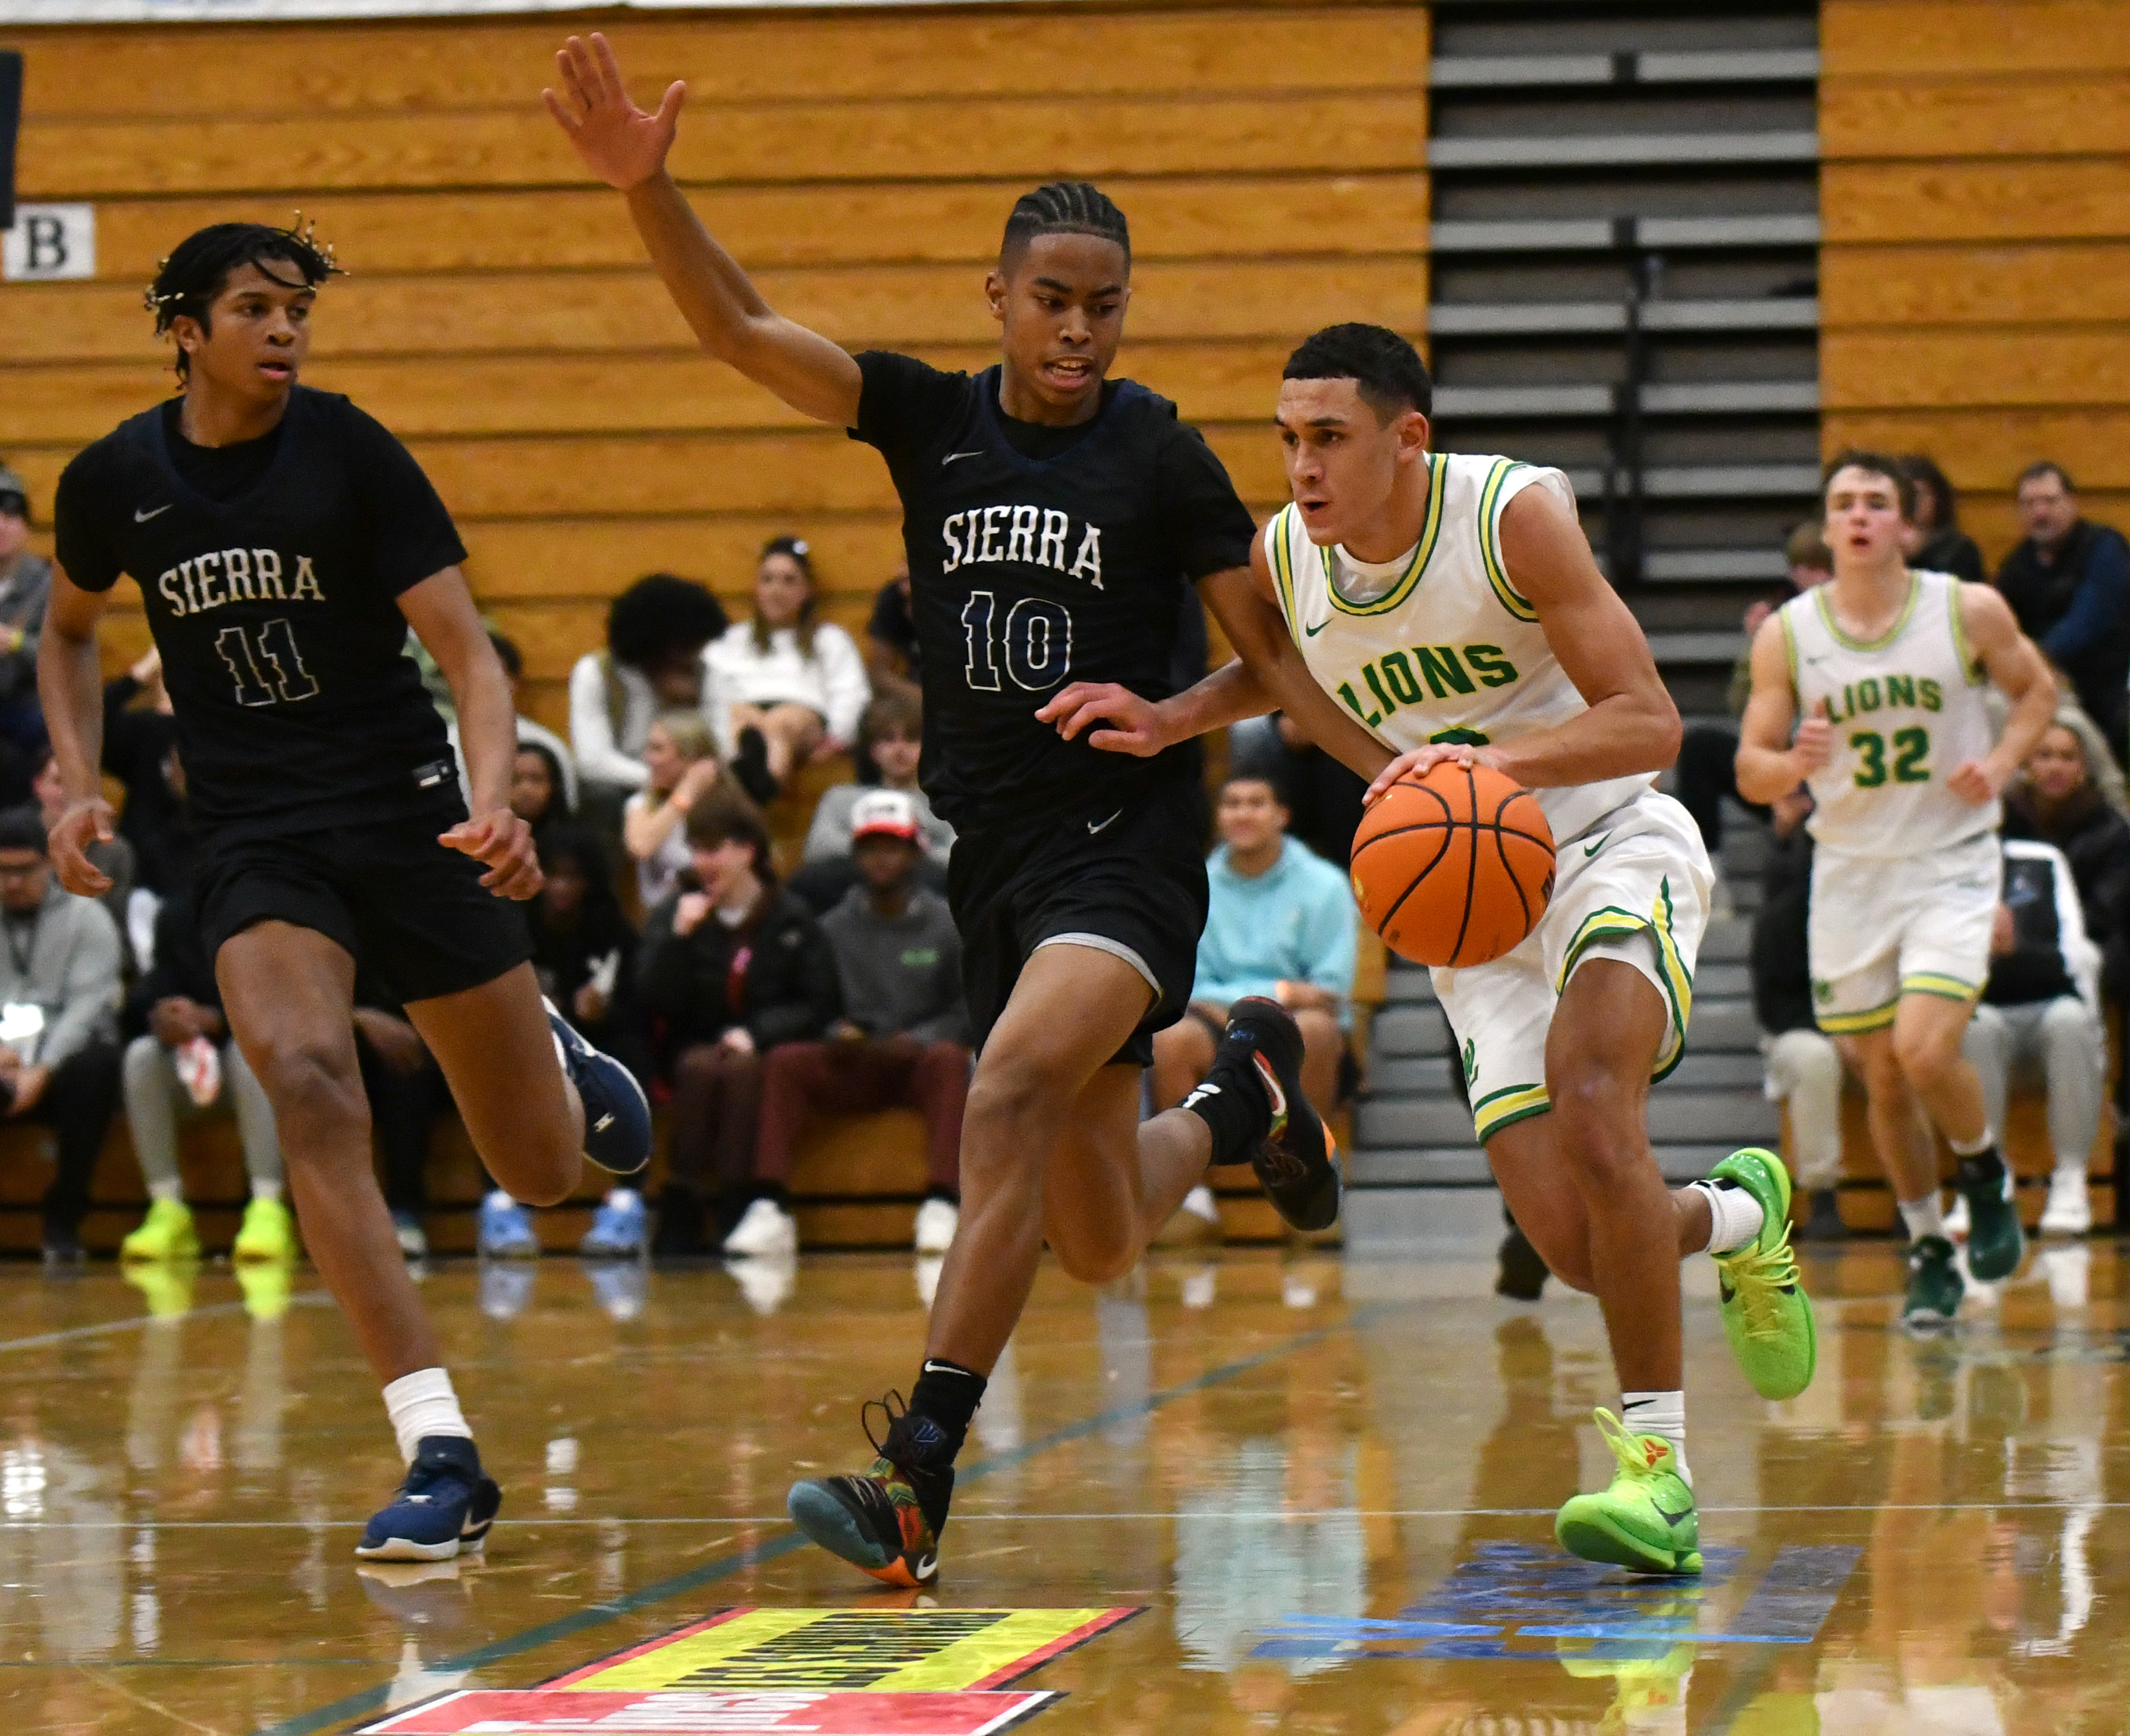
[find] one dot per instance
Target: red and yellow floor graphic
(825, 1673)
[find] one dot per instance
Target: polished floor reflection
(1328, 1484)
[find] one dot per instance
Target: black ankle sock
(1983, 1173)
(1232, 1101)
(947, 1395)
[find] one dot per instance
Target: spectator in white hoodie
(786, 688)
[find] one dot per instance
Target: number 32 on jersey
(1033, 642)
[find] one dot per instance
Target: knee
(2065, 1020)
(314, 1084)
(1925, 1058)
(1015, 1093)
(144, 1061)
(1185, 1046)
(1599, 1113)
(1095, 1263)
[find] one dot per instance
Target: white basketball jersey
(1907, 709)
(1451, 652)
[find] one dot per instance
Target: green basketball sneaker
(1934, 1284)
(166, 1233)
(1646, 1521)
(1767, 1316)
(1995, 1242)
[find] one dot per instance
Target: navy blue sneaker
(446, 1505)
(617, 1113)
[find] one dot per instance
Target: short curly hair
(660, 616)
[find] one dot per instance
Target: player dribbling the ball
(1451, 603)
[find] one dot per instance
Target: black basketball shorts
(409, 909)
(1129, 881)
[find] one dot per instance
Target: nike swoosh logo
(952, 456)
(1669, 1516)
(1313, 631)
(1095, 826)
(142, 518)
(1591, 849)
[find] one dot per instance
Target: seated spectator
(141, 751)
(731, 967)
(902, 1041)
(785, 687)
(891, 659)
(538, 795)
(584, 953)
(1803, 1067)
(2039, 1013)
(656, 634)
(892, 736)
(1280, 922)
(58, 1048)
(113, 857)
(1932, 539)
(2060, 800)
(1708, 753)
(183, 1065)
(25, 583)
(2069, 583)
(408, 1096)
(1323, 796)
(682, 761)
(530, 734)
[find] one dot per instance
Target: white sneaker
(767, 1229)
(2069, 1209)
(937, 1220)
(1955, 1219)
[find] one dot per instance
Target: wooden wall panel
(1976, 203)
(499, 312)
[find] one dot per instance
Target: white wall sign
(49, 242)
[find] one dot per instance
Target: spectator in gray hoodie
(59, 1020)
(902, 1040)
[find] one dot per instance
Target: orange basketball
(1454, 867)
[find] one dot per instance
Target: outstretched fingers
(612, 89)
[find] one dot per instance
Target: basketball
(1455, 866)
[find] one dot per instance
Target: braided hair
(1063, 208)
(199, 267)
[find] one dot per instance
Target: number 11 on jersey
(266, 666)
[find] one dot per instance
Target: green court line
(594, 1615)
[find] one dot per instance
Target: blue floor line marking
(593, 1615)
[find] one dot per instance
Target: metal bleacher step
(1484, 72)
(1677, 1116)
(1710, 313)
(1625, 149)
(1583, 234)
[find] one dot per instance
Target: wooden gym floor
(1325, 1487)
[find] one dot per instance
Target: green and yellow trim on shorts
(1937, 983)
(1855, 1024)
(1513, 1103)
(1506, 1107)
(1880, 1017)
(1612, 923)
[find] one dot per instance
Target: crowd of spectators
(2062, 950)
(755, 994)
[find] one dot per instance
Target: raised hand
(620, 143)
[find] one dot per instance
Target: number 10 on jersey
(1035, 644)
(263, 661)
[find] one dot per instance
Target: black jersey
(1039, 556)
(275, 608)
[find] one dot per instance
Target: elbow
(1666, 730)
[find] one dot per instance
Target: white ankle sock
(172, 1190)
(424, 1404)
(623, 1197)
(498, 1198)
(1924, 1216)
(1973, 1147)
(266, 1188)
(1660, 1413)
(1734, 1216)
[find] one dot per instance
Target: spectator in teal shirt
(1282, 923)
